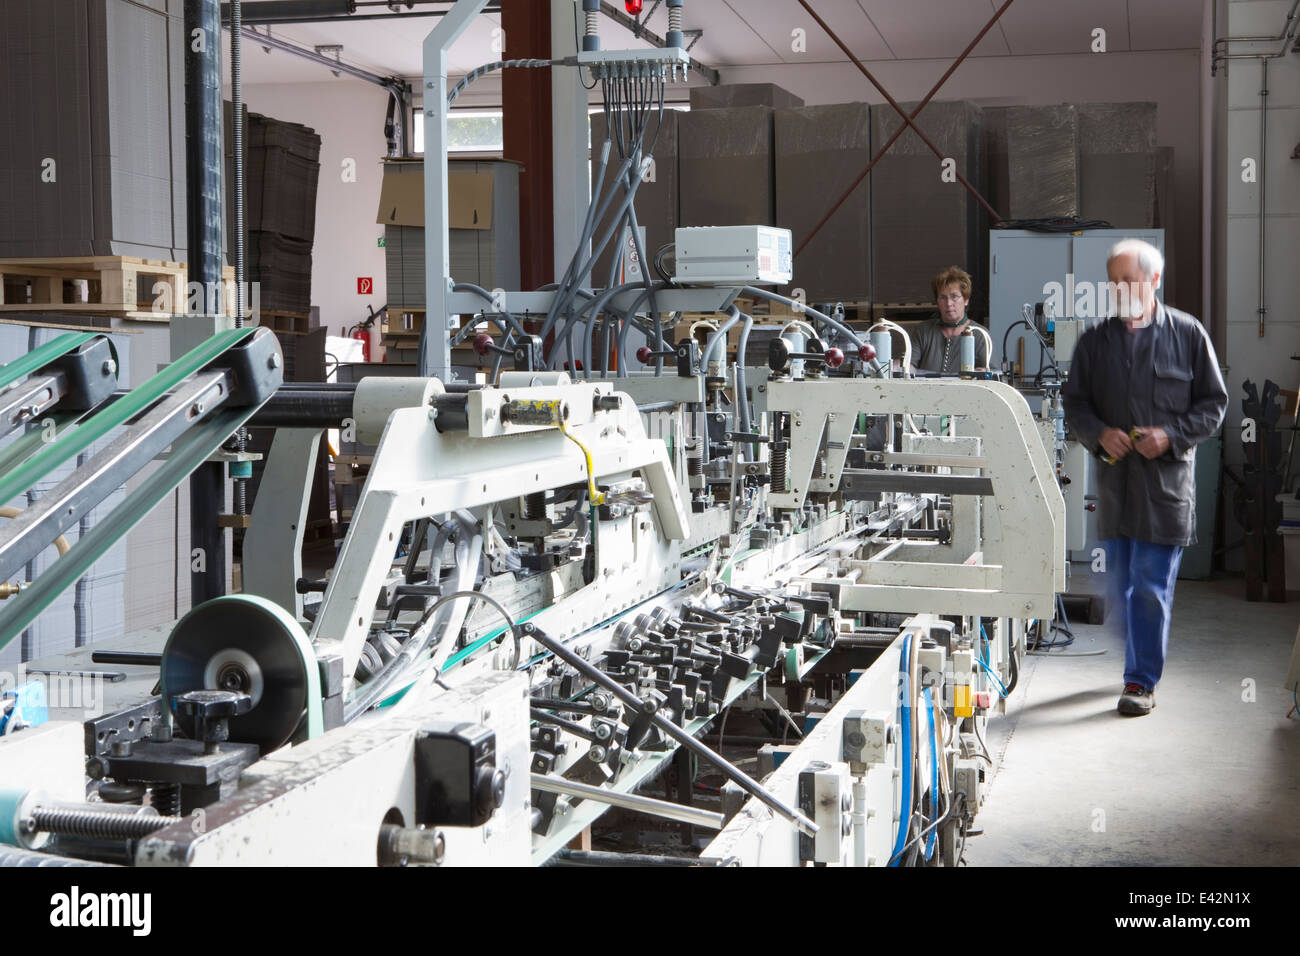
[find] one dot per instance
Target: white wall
(1247, 354)
(1168, 78)
(348, 115)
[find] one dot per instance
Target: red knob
(643, 355)
(633, 6)
(483, 343)
(834, 358)
(866, 352)
(1090, 507)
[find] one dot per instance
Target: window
(468, 131)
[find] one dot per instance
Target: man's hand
(1153, 443)
(1117, 443)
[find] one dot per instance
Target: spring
(592, 19)
(694, 465)
(535, 506)
(674, 18)
(166, 799)
(780, 455)
(96, 824)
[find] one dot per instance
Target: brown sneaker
(1136, 701)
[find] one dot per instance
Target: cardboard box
(401, 196)
(483, 200)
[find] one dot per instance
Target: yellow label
(961, 701)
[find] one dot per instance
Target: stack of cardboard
(281, 173)
(1043, 161)
(92, 136)
(483, 215)
(820, 151)
(1117, 163)
(922, 218)
(726, 164)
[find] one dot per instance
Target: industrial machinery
(560, 586)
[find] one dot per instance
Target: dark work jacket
(929, 347)
(1173, 382)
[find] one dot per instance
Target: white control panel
(734, 255)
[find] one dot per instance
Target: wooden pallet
(122, 286)
(403, 322)
(294, 323)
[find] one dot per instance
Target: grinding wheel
(245, 643)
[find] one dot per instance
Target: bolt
(121, 748)
(109, 367)
(273, 361)
(451, 323)
(197, 408)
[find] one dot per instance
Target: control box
(825, 797)
(734, 255)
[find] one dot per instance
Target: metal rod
(1285, 35)
(907, 119)
(304, 408)
(265, 39)
(204, 192)
(583, 858)
(743, 780)
(1262, 310)
(240, 487)
(140, 658)
(629, 801)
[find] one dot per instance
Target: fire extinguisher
(362, 334)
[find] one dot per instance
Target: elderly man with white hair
(1144, 390)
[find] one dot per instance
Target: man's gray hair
(1149, 257)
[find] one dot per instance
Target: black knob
(490, 791)
(207, 712)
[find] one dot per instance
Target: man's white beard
(1133, 314)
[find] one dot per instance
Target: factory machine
(558, 587)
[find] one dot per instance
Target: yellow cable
(596, 497)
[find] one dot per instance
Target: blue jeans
(1142, 577)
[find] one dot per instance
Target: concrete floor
(1208, 778)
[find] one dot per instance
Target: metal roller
(245, 643)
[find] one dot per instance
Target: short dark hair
(946, 277)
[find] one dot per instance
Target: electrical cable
(905, 721)
(487, 68)
(485, 294)
(844, 330)
(1066, 224)
(936, 756)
